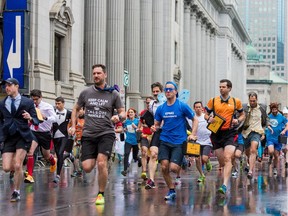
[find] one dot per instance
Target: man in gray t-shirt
(98, 137)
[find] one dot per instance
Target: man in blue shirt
(172, 114)
(276, 123)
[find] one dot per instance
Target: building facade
(195, 43)
(266, 83)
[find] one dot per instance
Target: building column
(208, 80)
(146, 50)
(199, 55)
(187, 47)
(115, 41)
(214, 88)
(158, 42)
(193, 47)
(95, 36)
(168, 60)
(203, 72)
(132, 50)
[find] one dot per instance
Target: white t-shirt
(203, 134)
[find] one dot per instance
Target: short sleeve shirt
(99, 107)
(224, 109)
(174, 121)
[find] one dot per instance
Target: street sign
(13, 45)
(126, 78)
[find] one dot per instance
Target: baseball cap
(10, 81)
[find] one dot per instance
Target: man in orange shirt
(224, 140)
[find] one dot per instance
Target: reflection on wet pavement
(263, 195)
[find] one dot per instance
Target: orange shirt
(224, 109)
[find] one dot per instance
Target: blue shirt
(277, 123)
(174, 122)
(9, 101)
(130, 131)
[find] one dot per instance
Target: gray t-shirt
(99, 107)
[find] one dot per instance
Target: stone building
(268, 85)
(193, 42)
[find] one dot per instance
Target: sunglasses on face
(169, 89)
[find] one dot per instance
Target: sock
(51, 159)
(101, 193)
(30, 164)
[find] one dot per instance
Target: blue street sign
(16, 4)
(13, 46)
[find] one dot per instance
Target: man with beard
(99, 101)
(253, 130)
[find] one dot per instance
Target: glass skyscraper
(265, 23)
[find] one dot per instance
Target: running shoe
(201, 178)
(208, 166)
(15, 197)
(150, 184)
(100, 200)
(74, 174)
(29, 179)
(53, 167)
(144, 175)
(235, 174)
(222, 189)
(56, 179)
(275, 171)
(124, 172)
(171, 195)
(250, 175)
(178, 181)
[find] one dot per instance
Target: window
(175, 53)
(57, 57)
(61, 21)
(279, 89)
(252, 71)
(176, 11)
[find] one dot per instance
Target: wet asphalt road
(265, 194)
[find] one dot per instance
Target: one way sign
(13, 45)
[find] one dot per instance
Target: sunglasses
(147, 102)
(169, 89)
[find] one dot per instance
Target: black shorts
(205, 150)
(240, 147)
(15, 142)
(91, 146)
(43, 139)
(223, 138)
(156, 138)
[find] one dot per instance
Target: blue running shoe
(222, 189)
(171, 195)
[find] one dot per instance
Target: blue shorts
(277, 146)
(171, 152)
(253, 136)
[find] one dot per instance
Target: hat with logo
(10, 81)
